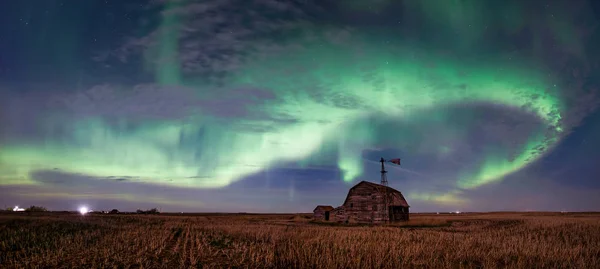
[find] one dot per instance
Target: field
(498, 240)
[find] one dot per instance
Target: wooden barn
(369, 202)
(322, 212)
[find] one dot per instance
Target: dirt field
(504, 240)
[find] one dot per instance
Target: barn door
(396, 213)
(326, 215)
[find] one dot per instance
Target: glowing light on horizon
(83, 210)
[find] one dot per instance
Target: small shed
(322, 212)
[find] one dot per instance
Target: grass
(506, 240)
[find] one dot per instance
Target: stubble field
(506, 240)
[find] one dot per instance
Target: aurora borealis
(281, 105)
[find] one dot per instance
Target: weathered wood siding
(338, 214)
(366, 204)
(319, 214)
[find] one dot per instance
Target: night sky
(277, 106)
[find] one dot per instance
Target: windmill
(384, 182)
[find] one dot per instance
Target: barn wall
(339, 214)
(366, 204)
(319, 214)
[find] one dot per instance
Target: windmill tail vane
(395, 161)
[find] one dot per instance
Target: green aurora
(373, 80)
(323, 96)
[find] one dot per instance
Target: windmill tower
(384, 182)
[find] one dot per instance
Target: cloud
(529, 190)
(532, 192)
(20, 112)
(215, 35)
(285, 176)
(145, 101)
(150, 101)
(236, 103)
(218, 38)
(52, 115)
(121, 178)
(289, 188)
(56, 184)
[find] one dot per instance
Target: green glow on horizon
(452, 197)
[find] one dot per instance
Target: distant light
(83, 210)
(18, 209)
(457, 212)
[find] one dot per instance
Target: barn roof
(324, 207)
(380, 188)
